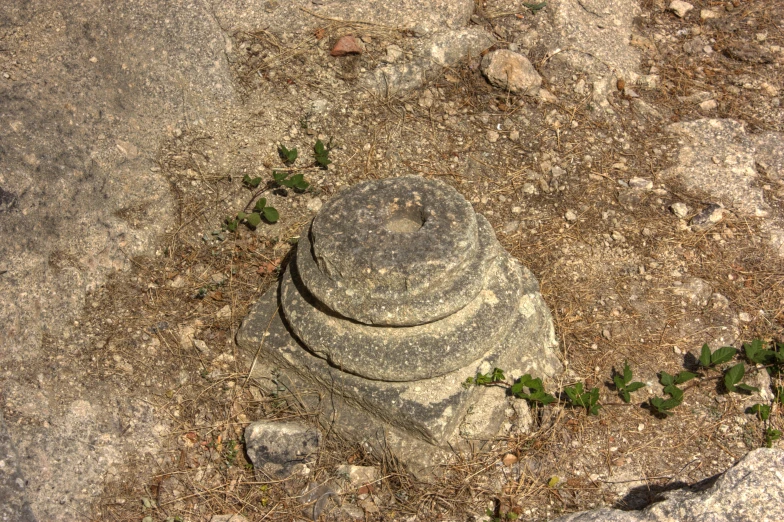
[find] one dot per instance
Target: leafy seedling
(722, 355)
(662, 406)
(732, 378)
(230, 452)
(322, 154)
(679, 378)
(483, 379)
(624, 385)
(251, 183)
(771, 435)
(584, 399)
(253, 219)
(534, 8)
(532, 390)
(762, 411)
(288, 156)
(756, 354)
(296, 182)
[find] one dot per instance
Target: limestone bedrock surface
(750, 491)
(398, 292)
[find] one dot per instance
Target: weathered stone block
(276, 448)
(397, 293)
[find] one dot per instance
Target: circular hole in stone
(405, 220)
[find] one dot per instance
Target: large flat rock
(80, 128)
(750, 491)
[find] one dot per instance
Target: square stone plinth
(419, 421)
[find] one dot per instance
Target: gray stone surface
(750, 491)
(80, 127)
(769, 154)
(511, 71)
(289, 20)
(430, 409)
(402, 251)
(417, 352)
(707, 217)
(401, 387)
(718, 157)
(593, 36)
(278, 448)
(14, 506)
(430, 55)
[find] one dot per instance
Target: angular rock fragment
(346, 45)
(511, 71)
(680, 8)
(276, 448)
(708, 217)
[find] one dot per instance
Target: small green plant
(230, 452)
(772, 358)
(322, 154)
(679, 378)
(722, 355)
(532, 390)
(483, 379)
(296, 182)
(732, 378)
(253, 219)
(661, 406)
(288, 156)
(249, 182)
(624, 385)
(534, 8)
(771, 435)
(511, 515)
(584, 399)
(762, 411)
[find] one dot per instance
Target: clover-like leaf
(271, 214)
(253, 219)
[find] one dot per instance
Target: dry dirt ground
(625, 278)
